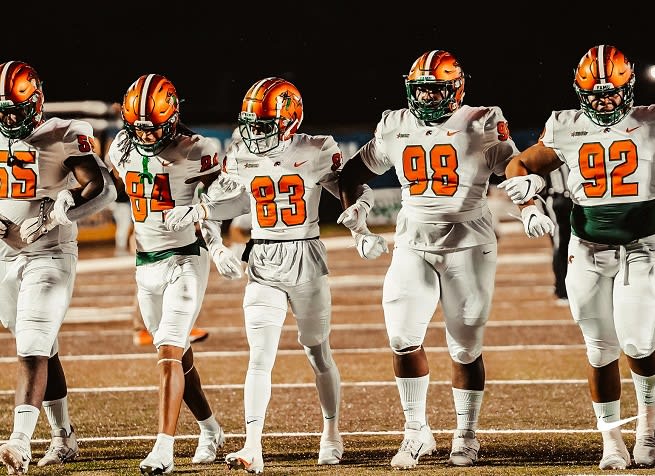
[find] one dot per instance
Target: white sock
(25, 418)
(164, 444)
(413, 396)
(210, 425)
(645, 392)
(57, 413)
(467, 407)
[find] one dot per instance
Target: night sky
(347, 62)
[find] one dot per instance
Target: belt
(259, 241)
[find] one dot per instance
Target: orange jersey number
(265, 191)
(591, 160)
(442, 171)
(18, 182)
(160, 197)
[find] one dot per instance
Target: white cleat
(16, 457)
(418, 441)
(465, 448)
(63, 448)
(330, 451)
(615, 459)
(156, 463)
(644, 450)
(208, 445)
(248, 459)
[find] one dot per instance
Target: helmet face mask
(150, 112)
(434, 86)
(21, 100)
(604, 83)
(271, 113)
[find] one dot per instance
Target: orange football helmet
(604, 71)
(271, 113)
(151, 105)
(438, 71)
(21, 100)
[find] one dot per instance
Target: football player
(608, 148)
(281, 174)
(445, 250)
(158, 161)
(50, 178)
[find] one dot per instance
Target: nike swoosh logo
(418, 451)
(486, 252)
(298, 164)
(602, 425)
(248, 422)
(451, 133)
(630, 129)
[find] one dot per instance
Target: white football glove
(370, 246)
(64, 201)
(536, 223)
(51, 214)
(522, 188)
(227, 264)
(182, 216)
(354, 217)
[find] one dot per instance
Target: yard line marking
(343, 433)
(293, 352)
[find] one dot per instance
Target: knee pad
(466, 356)
(602, 357)
(320, 357)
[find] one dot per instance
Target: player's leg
(211, 434)
(311, 304)
(409, 299)
(265, 309)
(467, 282)
(63, 446)
(634, 306)
(43, 297)
(589, 283)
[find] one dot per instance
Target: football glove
(10, 233)
(52, 213)
(227, 264)
(522, 188)
(535, 223)
(370, 245)
(182, 216)
(354, 217)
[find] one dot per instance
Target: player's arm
(97, 189)
(353, 175)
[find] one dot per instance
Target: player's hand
(522, 188)
(227, 264)
(182, 216)
(535, 223)
(354, 217)
(370, 246)
(34, 228)
(64, 201)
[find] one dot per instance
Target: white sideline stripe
(102, 314)
(287, 352)
(343, 433)
(239, 386)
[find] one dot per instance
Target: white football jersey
(158, 183)
(285, 188)
(607, 165)
(39, 172)
(444, 171)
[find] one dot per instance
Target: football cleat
(330, 451)
(615, 458)
(465, 448)
(63, 448)
(248, 459)
(156, 463)
(208, 444)
(644, 450)
(418, 441)
(16, 456)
